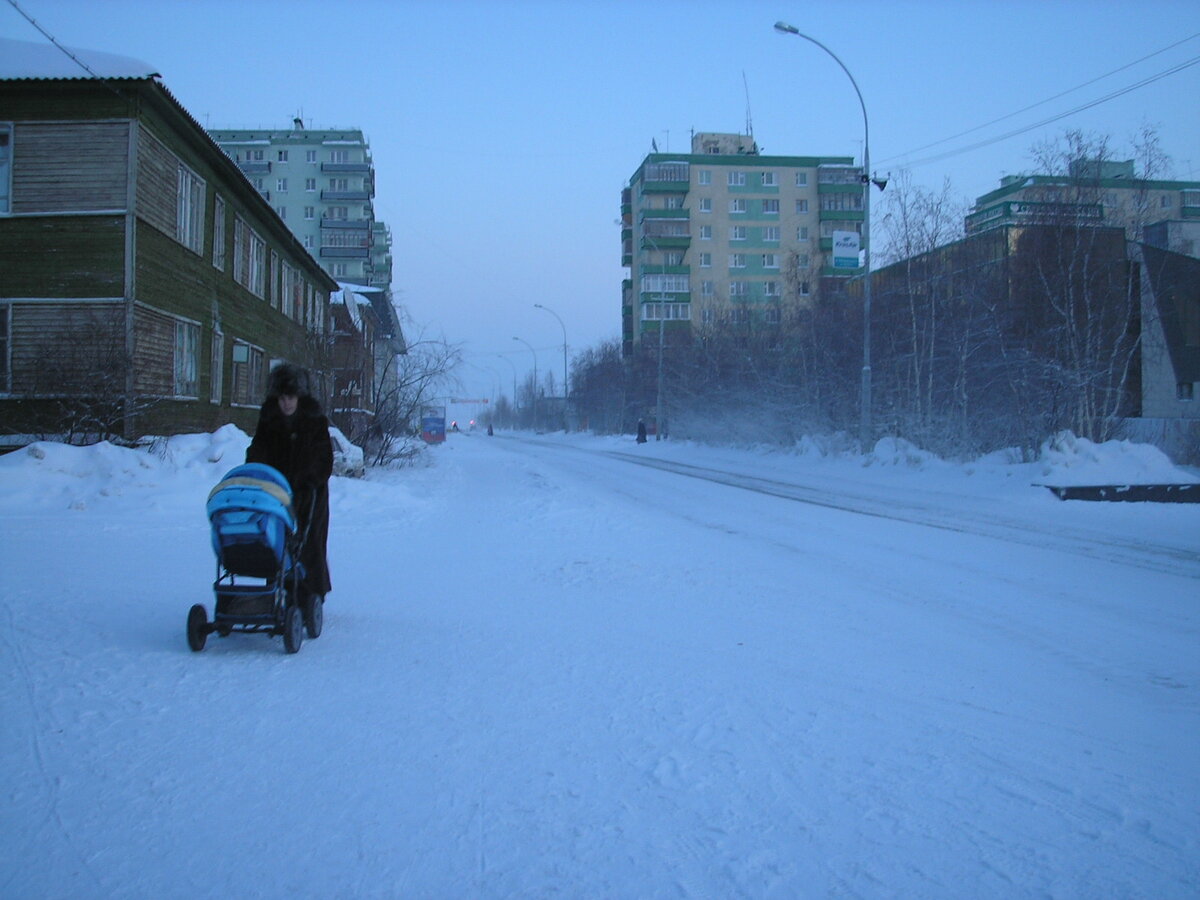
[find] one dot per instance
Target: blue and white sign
(845, 249)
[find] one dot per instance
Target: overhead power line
(1070, 112)
(1057, 96)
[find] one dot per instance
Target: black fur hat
(286, 378)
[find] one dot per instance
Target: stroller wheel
(293, 629)
(197, 627)
(314, 614)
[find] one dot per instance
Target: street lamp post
(535, 378)
(564, 331)
(865, 399)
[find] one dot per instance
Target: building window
(282, 212)
(338, 270)
(706, 204)
(281, 155)
(707, 289)
(801, 206)
(770, 260)
(772, 314)
(708, 316)
(310, 184)
(259, 185)
(706, 260)
(802, 233)
(737, 232)
(310, 156)
(218, 256)
(189, 209)
(340, 213)
(654, 312)
(739, 289)
(339, 156)
(673, 202)
(665, 284)
(216, 375)
(839, 202)
(704, 176)
(801, 260)
(768, 179)
(187, 348)
(5, 343)
(249, 258)
(310, 212)
(247, 371)
(673, 258)
(1166, 201)
(308, 242)
(281, 185)
(706, 232)
(770, 207)
(801, 179)
(737, 205)
(5, 168)
(339, 184)
(770, 233)
(737, 260)
(739, 315)
(804, 289)
(1185, 390)
(737, 179)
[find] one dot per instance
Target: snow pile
(1067, 460)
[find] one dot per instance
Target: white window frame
(281, 156)
(770, 207)
(768, 179)
(186, 359)
(708, 289)
(247, 372)
(770, 288)
(737, 260)
(770, 260)
(218, 230)
(801, 179)
(704, 176)
(739, 289)
(706, 204)
(216, 373)
(281, 185)
(6, 157)
(736, 178)
(189, 209)
(771, 234)
(706, 260)
(802, 205)
(706, 232)
(310, 156)
(737, 205)
(310, 213)
(737, 232)
(802, 233)
(310, 185)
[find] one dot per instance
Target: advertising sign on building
(433, 424)
(845, 249)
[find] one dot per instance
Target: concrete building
(321, 182)
(1093, 192)
(725, 235)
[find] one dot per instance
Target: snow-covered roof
(351, 301)
(360, 288)
(25, 59)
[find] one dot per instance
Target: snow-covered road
(550, 670)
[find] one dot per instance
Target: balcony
(354, 196)
(353, 168)
(345, 252)
(255, 168)
(348, 224)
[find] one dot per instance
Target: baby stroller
(259, 573)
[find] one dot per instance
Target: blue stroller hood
(250, 511)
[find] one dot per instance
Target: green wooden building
(147, 287)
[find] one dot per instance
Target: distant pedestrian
(641, 438)
(489, 429)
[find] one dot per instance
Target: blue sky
(503, 132)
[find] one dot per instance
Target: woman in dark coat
(293, 437)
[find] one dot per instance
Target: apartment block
(726, 236)
(321, 182)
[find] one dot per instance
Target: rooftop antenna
(749, 122)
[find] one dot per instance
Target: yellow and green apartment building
(725, 236)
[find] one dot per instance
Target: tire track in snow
(1139, 554)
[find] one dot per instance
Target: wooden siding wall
(157, 183)
(69, 166)
(62, 256)
(62, 348)
(153, 352)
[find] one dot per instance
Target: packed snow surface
(571, 666)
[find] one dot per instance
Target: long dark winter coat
(299, 447)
